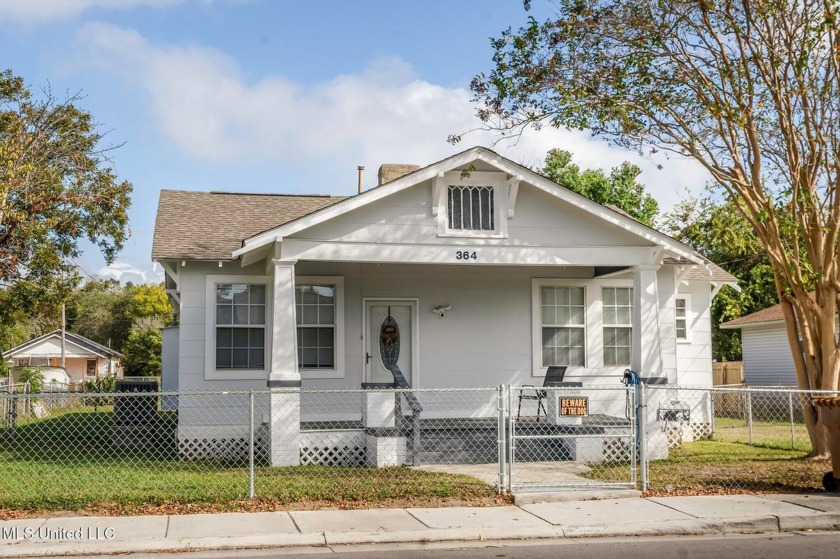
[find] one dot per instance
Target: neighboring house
(491, 272)
(84, 359)
(764, 348)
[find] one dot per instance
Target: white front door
(387, 339)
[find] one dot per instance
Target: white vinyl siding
(563, 321)
(617, 310)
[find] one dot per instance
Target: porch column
(284, 377)
(646, 357)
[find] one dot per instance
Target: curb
(534, 497)
(755, 525)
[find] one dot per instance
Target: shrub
(142, 353)
(34, 376)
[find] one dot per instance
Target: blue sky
(278, 96)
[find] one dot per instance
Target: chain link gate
(568, 437)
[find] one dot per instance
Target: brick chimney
(392, 171)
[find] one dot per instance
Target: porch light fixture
(441, 310)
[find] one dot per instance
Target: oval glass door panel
(389, 341)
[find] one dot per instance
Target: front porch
(469, 324)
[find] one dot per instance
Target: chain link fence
(722, 440)
(572, 437)
(71, 451)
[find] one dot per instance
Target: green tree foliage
(712, 224)
(749, 89)
(56, 188)
(143, 353)
(101, 310)
(34, 376)
(103, 384)
(150, 307)
(620, 188)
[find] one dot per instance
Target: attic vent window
(471, 208)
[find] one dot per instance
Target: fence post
(251, 444)
(641, 431)
(511, 437)
(501, 406)
(749, 417)
(27, 403)
(712, 410)
(790, 408)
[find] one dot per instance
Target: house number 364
(465, 255)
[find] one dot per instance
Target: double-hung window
(617, 313)
(240, 326)
(562, 324)
(315, 306)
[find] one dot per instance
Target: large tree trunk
(817, 433)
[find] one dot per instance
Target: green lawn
(721, 466)
(70, 462)
(771, 434)
(775, 462)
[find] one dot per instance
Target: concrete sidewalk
(612, 517)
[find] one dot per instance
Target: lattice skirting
(333, 448)
(617, 450)
(225, 443)
(230, 444)
(682, 432)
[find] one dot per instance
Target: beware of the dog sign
(576, 407)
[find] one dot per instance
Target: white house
(84, 359)
(491, 273)
(764, 348)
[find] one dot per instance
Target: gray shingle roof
(770, 314)
(709, 272)
(211, 225)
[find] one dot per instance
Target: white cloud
(44, 10)
(201, 99)
(124, 272)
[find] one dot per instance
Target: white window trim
(339, 370)
(210, 370)
(687, 298)
(630, 324)
(496, 180)
(593, 327)
(538, 315)
(415, 334)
